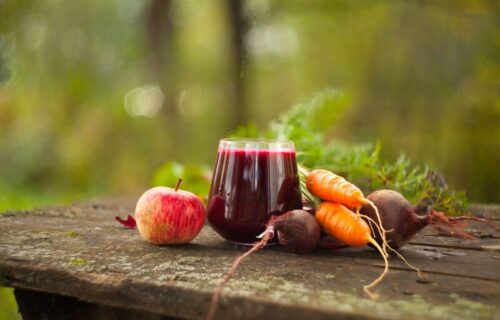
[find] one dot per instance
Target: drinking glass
(252, 180)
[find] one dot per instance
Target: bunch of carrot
(336, 218)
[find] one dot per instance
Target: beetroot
(402, 223)
(298, 230)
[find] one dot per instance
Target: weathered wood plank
(486, 210)
(82, 252)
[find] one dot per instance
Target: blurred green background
(96, 95)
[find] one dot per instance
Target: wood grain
(82, 252)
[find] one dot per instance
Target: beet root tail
(454, 226)
(267, 236)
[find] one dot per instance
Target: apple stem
(178, 184)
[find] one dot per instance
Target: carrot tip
(383, 274)
(370, 294)
(420, 275)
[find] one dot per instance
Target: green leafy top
(307, 124)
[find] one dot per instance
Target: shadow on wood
(38, 305)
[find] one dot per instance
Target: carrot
(343, 224)
(328, 186)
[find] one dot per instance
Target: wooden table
(78, 262)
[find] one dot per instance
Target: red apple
(169, 216)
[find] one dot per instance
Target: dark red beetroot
(402, 223)
(298, 230)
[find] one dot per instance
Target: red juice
(249, 185)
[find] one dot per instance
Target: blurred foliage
(308, 123)
(8, 305)
(85, 110)
(29, 198)
(195, 178)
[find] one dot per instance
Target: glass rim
(256, 144)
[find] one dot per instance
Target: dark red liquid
(248, 187)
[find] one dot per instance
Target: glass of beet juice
(253, 179)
